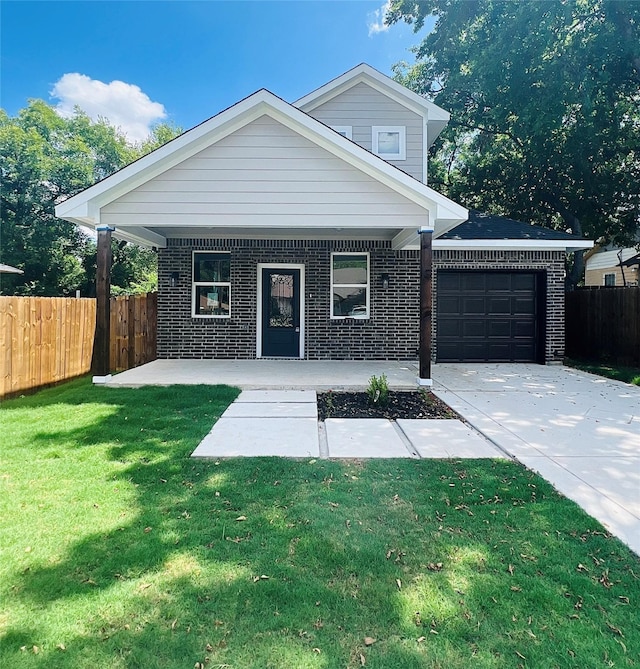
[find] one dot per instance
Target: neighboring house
(612, 267)
(291, 230)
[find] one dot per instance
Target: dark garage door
(489, 316)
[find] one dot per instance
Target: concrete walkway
(285, 423)
(579, 431)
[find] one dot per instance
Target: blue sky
(184, 61)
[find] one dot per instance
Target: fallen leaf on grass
(61, 646)
(369, 641)
(317, 650)
(421, 639)
(515, 588)
(582, 568)
(174, 623)
(363, 660)
(399, 584)
(241, 518)
(510, 569)
(434, 566)
(521, 656)
(623, 599)
(147, 530)
(615, 630)
(260, 578)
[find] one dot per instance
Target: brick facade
(391, 333)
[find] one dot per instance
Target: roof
(7, 269)
(436, 117)
(500, 231)
(84, 208)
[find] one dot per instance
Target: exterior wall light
(174, 277)
(385, 281)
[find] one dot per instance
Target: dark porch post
(100, 363)
(426, 280)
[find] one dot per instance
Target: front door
(281, 312)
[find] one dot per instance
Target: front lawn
(119, 551)
(616, 372)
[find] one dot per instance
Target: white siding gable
(263, 175)
(363, 107)
(608, 259)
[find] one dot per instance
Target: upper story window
(389, 141)
(349, 285)
(211, 285)
(609, 279)
(344, 130)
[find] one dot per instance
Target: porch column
(101, 345)
(426, 281)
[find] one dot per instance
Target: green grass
(119, 551)
(617, 372)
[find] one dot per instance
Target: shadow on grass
(277, 563)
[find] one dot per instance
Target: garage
(490, 316)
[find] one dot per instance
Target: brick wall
(550, 262)
(390, 334)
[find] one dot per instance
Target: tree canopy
(545, 108)
(44, 159)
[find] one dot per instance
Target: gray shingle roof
(489, 226)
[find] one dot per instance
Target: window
(349, 285)
(344, 130)
(211, 285)
(609, 279)
(389, 142)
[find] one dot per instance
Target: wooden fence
(603, 325)
(44, 340)
(133, 331)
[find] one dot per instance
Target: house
(612, 267)
(309, 230)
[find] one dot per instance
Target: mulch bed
(416, 404)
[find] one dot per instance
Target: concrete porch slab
(447, 439)
(251, 437)
(364, 438)
(271, 374)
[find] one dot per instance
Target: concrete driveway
(580, 432)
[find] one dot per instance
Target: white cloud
(124, 105)
(375, 19)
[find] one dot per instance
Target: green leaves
(44, 159)
(544, 104)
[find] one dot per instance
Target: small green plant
(378, 390)
(329, 405)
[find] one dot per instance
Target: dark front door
(489, 316)
(281, 312)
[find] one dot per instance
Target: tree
(545, 108)
(44, 159)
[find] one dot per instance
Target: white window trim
(195, 284)
(351, 285)
(346, 129)
(401, 130)
(604, 278)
